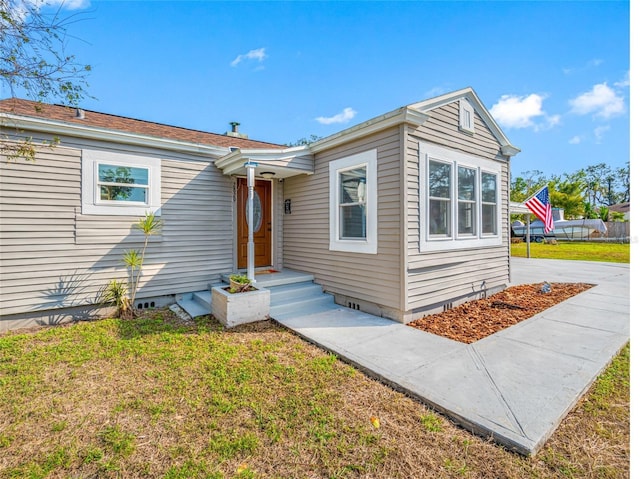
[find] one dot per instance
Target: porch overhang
(516, 208)
(270, 163)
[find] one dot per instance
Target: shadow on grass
(164, 321)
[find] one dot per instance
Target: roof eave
(379, 123)
(60, 128)
(234, 162)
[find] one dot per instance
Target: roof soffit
(234, 162)
(396, 117)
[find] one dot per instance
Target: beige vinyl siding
(369, 277)
(301, 163)
(277, 213)
(52, 256)
(435, 278)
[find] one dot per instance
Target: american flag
(539, 204)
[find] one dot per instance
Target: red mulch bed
(480, 318)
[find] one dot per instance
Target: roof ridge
(141, 120)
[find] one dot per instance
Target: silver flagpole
(528, 235)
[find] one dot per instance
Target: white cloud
(625, 82)
(552, 121)
(76, 4)
(514, 111)
(435, 91)
(68, 4)
(602, 101)
(258, 54)
(342, 117)
(593, 63)
(576, 140)
(20, 9)
(599, 132)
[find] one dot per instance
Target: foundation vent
(146, 305)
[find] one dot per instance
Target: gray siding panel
(435, 278)
(52, 256)
(368, 277)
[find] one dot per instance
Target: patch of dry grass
(154, 397)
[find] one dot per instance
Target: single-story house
(624, 208)
(402, 215)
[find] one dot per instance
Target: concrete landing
(514, 386)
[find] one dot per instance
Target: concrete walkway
(516, 385)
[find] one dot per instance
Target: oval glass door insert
(257, 213)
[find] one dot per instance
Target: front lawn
(611, 252)
(158, 398)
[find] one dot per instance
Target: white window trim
(91, 204)
(369, 159)
(466, 107)
(455, 241)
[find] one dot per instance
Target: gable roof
(415, 114)
(620, 207)
(470, 95)
(19, 108)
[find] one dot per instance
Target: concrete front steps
(292, 294)
(297, 299)
(198, 303)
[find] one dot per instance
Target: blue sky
(554, 74)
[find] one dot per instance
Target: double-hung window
(120, 184)
(459, 200)
(353, 203)
(489, 203)
(467, 201)
(440, 199)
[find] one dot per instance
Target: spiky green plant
(116, 291)
(132, 259)
(116, 294)
(149, 225)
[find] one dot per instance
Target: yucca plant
(116, 294)
(134, 259)
(121, 293)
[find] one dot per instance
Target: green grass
(153, 397)
(610, 252)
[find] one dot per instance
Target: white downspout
(249, 216)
